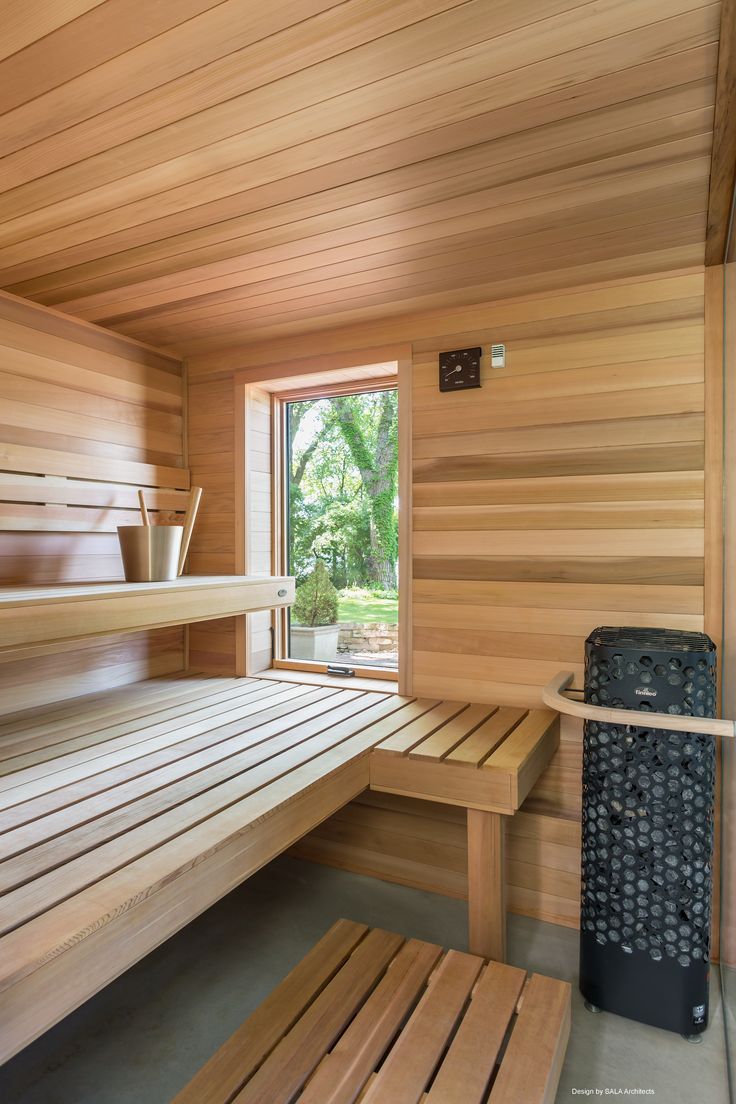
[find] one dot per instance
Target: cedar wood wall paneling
(212, 423)
(566, 493)
(86, 417)
(211, 439)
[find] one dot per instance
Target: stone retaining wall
(372, 636)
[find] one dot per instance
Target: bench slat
(527, 750)
(346, 1069)
(108, 702)
(42, 762)
(57, 929)
(437, 746)
(62, 739)
(123, 818)
(437, 714)
(531, 1065)
(38, 896)
(111, 776)
(479, 745)
(81, 828)
(137, 744)
(297, 1055)
(406, 1072)
(466, 1072)
(228, 1069)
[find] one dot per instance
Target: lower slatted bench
(125, 814)
(372, 1017)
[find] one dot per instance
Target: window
(339, 480)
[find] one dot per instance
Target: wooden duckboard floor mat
(372, 1017)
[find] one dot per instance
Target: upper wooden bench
(370, 1016)
(124, 815)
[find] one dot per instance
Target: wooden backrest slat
(224, 1074)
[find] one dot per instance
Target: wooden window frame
(279, 402)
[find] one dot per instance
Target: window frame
(279, 402)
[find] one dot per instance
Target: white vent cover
(498, 356)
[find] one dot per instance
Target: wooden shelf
(553, 695)
(41, 616)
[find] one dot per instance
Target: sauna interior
(367, 422)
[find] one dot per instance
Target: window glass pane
(342, 528)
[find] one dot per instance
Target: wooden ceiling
(202, 174)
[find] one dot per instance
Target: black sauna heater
(648, 798)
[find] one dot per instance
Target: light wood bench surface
(485, 759)
(372, 1017)
(123, 815)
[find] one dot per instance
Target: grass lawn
(358, 607)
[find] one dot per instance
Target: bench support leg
(486, 885)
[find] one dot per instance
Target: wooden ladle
(195, 495)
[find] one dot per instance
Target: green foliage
(343, 488)
(315, 602)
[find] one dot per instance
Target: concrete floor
(140, 1040)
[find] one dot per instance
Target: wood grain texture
(34, 617)
(371, 1016)
(728, 700)
(180, 175)
(486, 885)
(214, 549)
(723, 161)
(86, 418)
(567, 493)
(125, 815)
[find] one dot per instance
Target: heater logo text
(645, 692)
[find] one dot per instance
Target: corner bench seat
(372, 1017)
(123, 815)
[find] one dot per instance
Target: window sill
(314, 678)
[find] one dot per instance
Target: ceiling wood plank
(201, 175)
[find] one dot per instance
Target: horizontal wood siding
(568, 492)
(86, 417)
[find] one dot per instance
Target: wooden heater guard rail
(553, 696)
